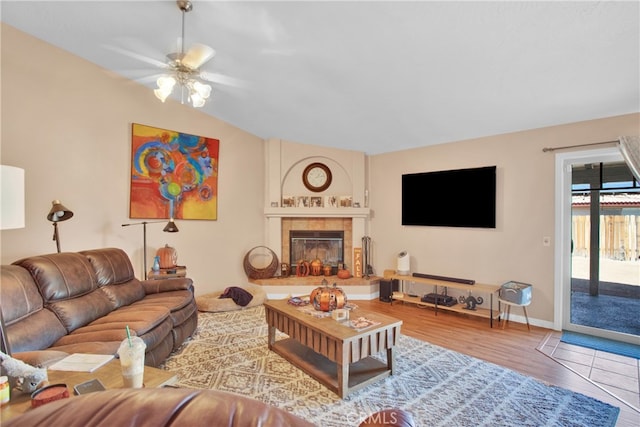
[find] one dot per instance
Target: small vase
(156, 264)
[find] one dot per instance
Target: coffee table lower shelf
(361, 373)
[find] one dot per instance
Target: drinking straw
(129, 337)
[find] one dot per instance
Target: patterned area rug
(439, 387)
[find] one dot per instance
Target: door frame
(562, 273)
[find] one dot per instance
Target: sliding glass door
(602, 289)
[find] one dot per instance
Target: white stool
(507, 311)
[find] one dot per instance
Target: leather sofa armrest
(167, 285)
(40, 358)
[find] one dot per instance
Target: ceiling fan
(184, 68)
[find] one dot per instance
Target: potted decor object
(325, 298)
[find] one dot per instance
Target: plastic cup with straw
(132, 353)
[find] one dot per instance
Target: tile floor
(618, 375)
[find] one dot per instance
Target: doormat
(602, 344)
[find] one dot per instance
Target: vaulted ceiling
(371, 76)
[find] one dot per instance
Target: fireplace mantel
(317, 213)
(285, 162)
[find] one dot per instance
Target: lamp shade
(171, 227)
(12, 188)
(58, 212)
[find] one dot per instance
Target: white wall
(525, 208)
(68, 124)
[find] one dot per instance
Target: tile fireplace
(325, 245)
(350, 221)
(336, 244)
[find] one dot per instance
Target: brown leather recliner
(161, 407)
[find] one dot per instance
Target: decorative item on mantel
(325, 298)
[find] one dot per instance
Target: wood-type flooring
(514, 347)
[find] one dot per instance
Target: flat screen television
(451, 198)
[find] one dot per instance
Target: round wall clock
(317, 177)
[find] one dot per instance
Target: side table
(168, 273)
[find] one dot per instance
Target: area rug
(439, 387)
(601, 344)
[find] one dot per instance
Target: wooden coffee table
(109, 374)
(332, 352)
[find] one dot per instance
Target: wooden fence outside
(619, 236)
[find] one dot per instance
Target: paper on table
(362, 323)
(81, 362)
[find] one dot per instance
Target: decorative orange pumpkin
(316, 267)
(168, 257)
(302, 269)
(325, 298)
(344, 274)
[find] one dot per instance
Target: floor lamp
(57, 214)
(11, 217)
(169, 228)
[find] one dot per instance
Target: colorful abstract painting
(173, 174)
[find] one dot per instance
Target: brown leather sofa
(81, 302)
(176, 407)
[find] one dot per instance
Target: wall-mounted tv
(451, 198)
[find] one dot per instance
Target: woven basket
(260, 263)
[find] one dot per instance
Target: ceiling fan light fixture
(165, 87)
(201, 89)
(198, 98)
(185, 69)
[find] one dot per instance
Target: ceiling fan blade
(149, 79)
(197, 55)
(222, 79)
(139, 57)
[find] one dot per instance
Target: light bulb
(57, 215)
(203, 90)
(165, 87)
(196, 100)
